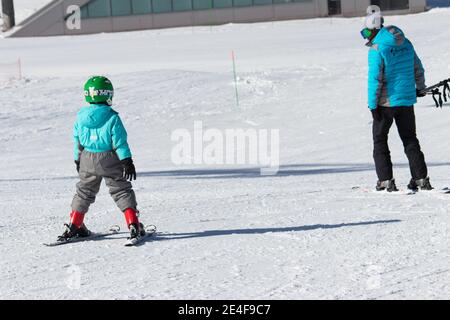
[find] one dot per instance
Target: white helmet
(374, 19)
(373, 9)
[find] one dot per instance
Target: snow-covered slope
(227, 232)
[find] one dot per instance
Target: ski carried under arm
(436, 93)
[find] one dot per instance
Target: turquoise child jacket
(98, 128)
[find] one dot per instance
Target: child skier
(101, 151)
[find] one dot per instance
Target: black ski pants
(406, 125)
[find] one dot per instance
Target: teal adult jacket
(395, 70)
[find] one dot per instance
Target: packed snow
(313, 231)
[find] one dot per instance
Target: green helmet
(99, 89)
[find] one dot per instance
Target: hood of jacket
(95, 115)
(390, 36)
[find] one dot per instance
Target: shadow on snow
(255, 172)
(161, 236)
(215, 233)
(284, 171)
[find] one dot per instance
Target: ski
(93, 235)
(384, 192)
(149, 232)
(396, 193)
(437, 191)
(445, 190)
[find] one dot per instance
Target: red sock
(76, 218)
(131, 216)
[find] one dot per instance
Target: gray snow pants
(93, 168)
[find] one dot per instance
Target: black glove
(376, 114)
(77, 163)
(420, 93)
(129, 171)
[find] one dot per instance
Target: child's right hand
(77, 163)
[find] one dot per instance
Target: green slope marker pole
(235, 77)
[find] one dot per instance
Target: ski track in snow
(226, 232)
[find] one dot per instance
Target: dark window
(282, 1)
(256, 2)
(391, 4)
(223, 3)
(438, 3)
(334, 7)
(242, 3)
(107, 8)
(182, 5)
(141, 6)
(84, 12)
(162, 6)
(202, 4)
(99, 8)
(121, 7)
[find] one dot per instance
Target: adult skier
(101, 152)
(396, 78)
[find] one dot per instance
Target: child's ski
(94, 235)
(149, 231)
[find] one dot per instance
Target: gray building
(124, 15)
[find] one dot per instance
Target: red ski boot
(137, 229)
(76, 228)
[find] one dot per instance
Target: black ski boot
(422, 184)
(136, 231)
(388, 185)
(73, 231)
